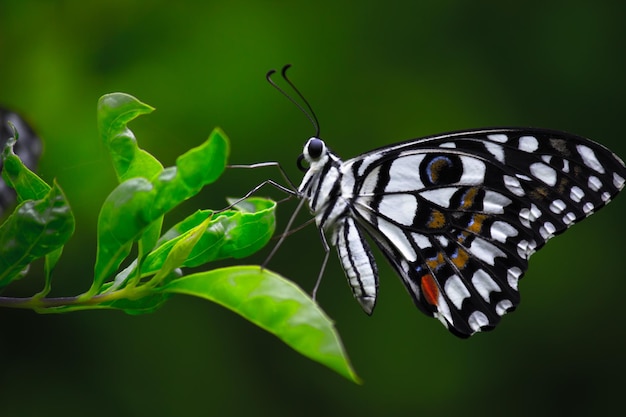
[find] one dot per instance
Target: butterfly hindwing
(458, 215)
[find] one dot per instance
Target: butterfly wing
(458, 215)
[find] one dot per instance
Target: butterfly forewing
(458, 215)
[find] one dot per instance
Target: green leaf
(114, 112)
(26, 183)
(138, 202)
(231, 234)
(120, 223)
(194, 169)
(35, 229)
(274, 304)
(180, 251)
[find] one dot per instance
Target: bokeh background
(376, 73)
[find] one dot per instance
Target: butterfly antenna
(310, 114)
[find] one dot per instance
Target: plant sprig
(132, 214)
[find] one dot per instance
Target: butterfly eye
(315, 147)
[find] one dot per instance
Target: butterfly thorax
(322, 184)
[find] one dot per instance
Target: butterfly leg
(290, 190)
(269, 164)
(284, 234)
(326, 247)
(257, 188)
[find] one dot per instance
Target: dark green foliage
(132, 215)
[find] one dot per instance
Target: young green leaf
(180, 252)
(194, 169)
(138, 202)
(35, 229)
(274, 304)
(120, 223)
(114, 112)
(231, 234)
(26, 183)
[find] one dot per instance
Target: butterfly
(457, 215)
(28, 148)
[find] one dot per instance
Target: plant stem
(36, 303)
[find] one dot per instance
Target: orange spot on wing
(460, 259)
(469, 197)
(477, 223)
(436, 262)
(430, 289)
(436, 168)
(437, 220)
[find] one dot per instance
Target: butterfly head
(315, 152)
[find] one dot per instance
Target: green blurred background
(376, 73)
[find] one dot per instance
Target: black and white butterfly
(28, 148)
(457, 215)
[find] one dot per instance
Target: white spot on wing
(528, 143)
(404, 174)
(456, 291)
(498, 137)
(589, 158)
(398, 239)
(522, 247)
(450, 145)
(547, 230)
(576, 194)
(513, 185)
(618, 181)
(477, 320)
(529, 215)
(513, 275)
(485, 251)
(495, 202)
(588, 208)
(439, 196)
(544, 172)
(484, 284)
(557, 206)
(400, 208)
(525, 248)
(422, 241)
(496, 150)
(473, 171)
(503, 306)
(594, 183)
(443, 314)
(569, 218)
(501, 230)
